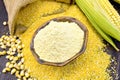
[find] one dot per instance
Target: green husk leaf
(99, 20)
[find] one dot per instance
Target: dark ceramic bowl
(60, 19)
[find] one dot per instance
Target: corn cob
(105, 36)
(98, 16)
(111, 13)
(118, 1)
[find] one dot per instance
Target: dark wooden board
(4, 30)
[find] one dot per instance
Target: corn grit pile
(91, 65)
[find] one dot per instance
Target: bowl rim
(60, 19)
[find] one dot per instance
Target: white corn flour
(58, 41)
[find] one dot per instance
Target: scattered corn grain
(14, 49)
(22, 60)
(27, 74)
(22, 67)
(17, 74)
(2, 53)
(20, 63)
(29, 78)
(16, 66)
(22, 73)
(12, 53)
(8, 52)
(18, 41)
(13, 40)
(7, 64)
(13, 71)
(19, 55)
(13, 62)
(24, 78)
(3, 47)
(1, 39)
(15, 58)
(4, 23)
(6, 69)
(8, 56)
(11, 57)
(19, 47)
(11, 65)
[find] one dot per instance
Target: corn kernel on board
(4, 30)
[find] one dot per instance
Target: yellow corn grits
(91, 65)
(30, 14)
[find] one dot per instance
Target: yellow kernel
(34, 78)
(12, 53)
(10, 49)
(11, 58)
(13, 40)
(7, 69)
(8, 52)
(22, 73)
(18, 79)
(19, 55)
(23, 45)
(19, 47)
(1, 43)
(15, 37)
(11, 66)
(16, 66)
(10, 36)
(19, 51)
(19, 63)
(18, 41)
(15, 58)
(29, 78)
(22, 60)
(17, 74)
(3, 47)
(28, 71)
(8, 39)
(13, 71)
(27, 74)
(5, 38)
(4, 52)
(7, 64)
(22, 66)
(4, 23)
(8, 56)
(24, 78)
(14, 49)
(1, 39)
(13, 62)
(13, 45)
(4, 70)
